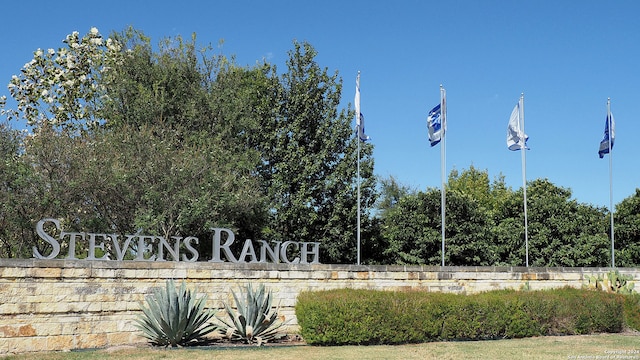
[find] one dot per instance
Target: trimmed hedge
(632, 311)
(348, 316)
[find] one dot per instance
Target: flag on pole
(608, 135)
(359, 117)
(516, 138)
(360, 126)
(435, 125)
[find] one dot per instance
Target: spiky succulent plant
(254, 322)
(174, 317)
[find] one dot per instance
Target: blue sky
(567, 57)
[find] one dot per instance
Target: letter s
(48, 238)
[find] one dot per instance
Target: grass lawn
(603, 346)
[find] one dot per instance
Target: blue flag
(608, 135)
(360, 126)
(434, 124)
(359, 117)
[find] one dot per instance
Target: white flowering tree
(63, 89)
(117, 145)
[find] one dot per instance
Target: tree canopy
(175, 141)
(485, 225)
(172, 139)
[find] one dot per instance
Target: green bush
(632, 311)
(347, 316)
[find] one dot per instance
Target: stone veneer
(71, 304)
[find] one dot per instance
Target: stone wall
(70, 304)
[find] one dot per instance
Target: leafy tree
(376, 243)
(156, 171)
(591, 247)
(245, 103)
(490, 195)
(474, 183)
(311, 167)
(167, 87)
(391, 191)
(508, 230)
(485, 225)
(468, 238)
(64, 88)
(413, 230)
(173, 187)
(129, 138)
(489, 198)
(16, 195)
(627, 231)
(559, 228)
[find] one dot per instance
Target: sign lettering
(176, 248)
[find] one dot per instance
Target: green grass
(543, 348)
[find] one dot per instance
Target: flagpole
(613, 263)
(523, 149)
(358, 140)
(358, 176)
(442, 169)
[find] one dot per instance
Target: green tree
(391, 191)
(167, 87)
(311, 167)
(561, 229)
(16, 195)
(413, 231)
(508, 230)
(154, 170)
(174, 141)
(64, 88)
(474, 183)
(627, 231)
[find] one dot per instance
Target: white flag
(516, 138)
(359, 117)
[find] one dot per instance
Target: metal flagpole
(609, 123)
(443, 115)
(358, 141)
(523, 149)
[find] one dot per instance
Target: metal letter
(121, 251)
(187, 244)
(143, 247)
(305, 252)
(226, 247)
(266, 250)
(46, 237)
(93, 246)
(164, 244)
(72, 243)
(283, 252)
(248, 249)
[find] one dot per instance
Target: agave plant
(253, 322)
(174, 317)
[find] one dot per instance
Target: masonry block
(74, 304)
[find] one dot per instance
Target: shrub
(174, 317)
(632, 311)
(253, 322)
(347, 316)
